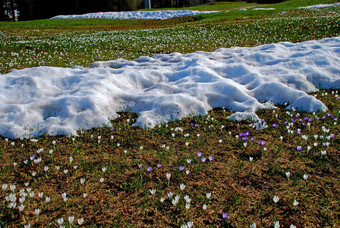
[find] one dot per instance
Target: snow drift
(162, 88)
(158, 15)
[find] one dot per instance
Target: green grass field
(203, 169)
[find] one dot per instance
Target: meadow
(201, 171)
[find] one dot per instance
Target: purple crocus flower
(244, 138)
(204, 159)
(181, 168)
(140, 166)
(199, 154)
(224, 215)
(149, 169)
(159, 165)
(298, 148)
(252, 139)
(274, 125)
(211, 158)
(261, 143)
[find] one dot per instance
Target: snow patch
(158, 15)
(167, 87)
(320, 6)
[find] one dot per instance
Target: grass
(242, 188)
(69, 42)
(243, 168)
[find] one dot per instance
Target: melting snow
(162, 88)
(320, 6)
(158, 15)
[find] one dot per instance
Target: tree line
(41, 9)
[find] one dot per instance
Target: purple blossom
(241, 134)
(252, 139)
(299, 148)
(199, 154)
(224, 215)
(211, 158)
(149, 169)
(203, 159)
(303, 123)
(140, 166)
(34, 156)
(261, 142)
(159, 165)
(293, 121)
(181, 168)
(244, 138)
(247, 133)
(274, 125)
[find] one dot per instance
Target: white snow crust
(161, 14)
(166, 87)
(320, 6)
(158, 15)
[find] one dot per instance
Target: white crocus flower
(295, 203)
(80, 221)
(21, 207)
(37, 211)
(71, 219)
(4, 187)
(182, 187)
(208, 195)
